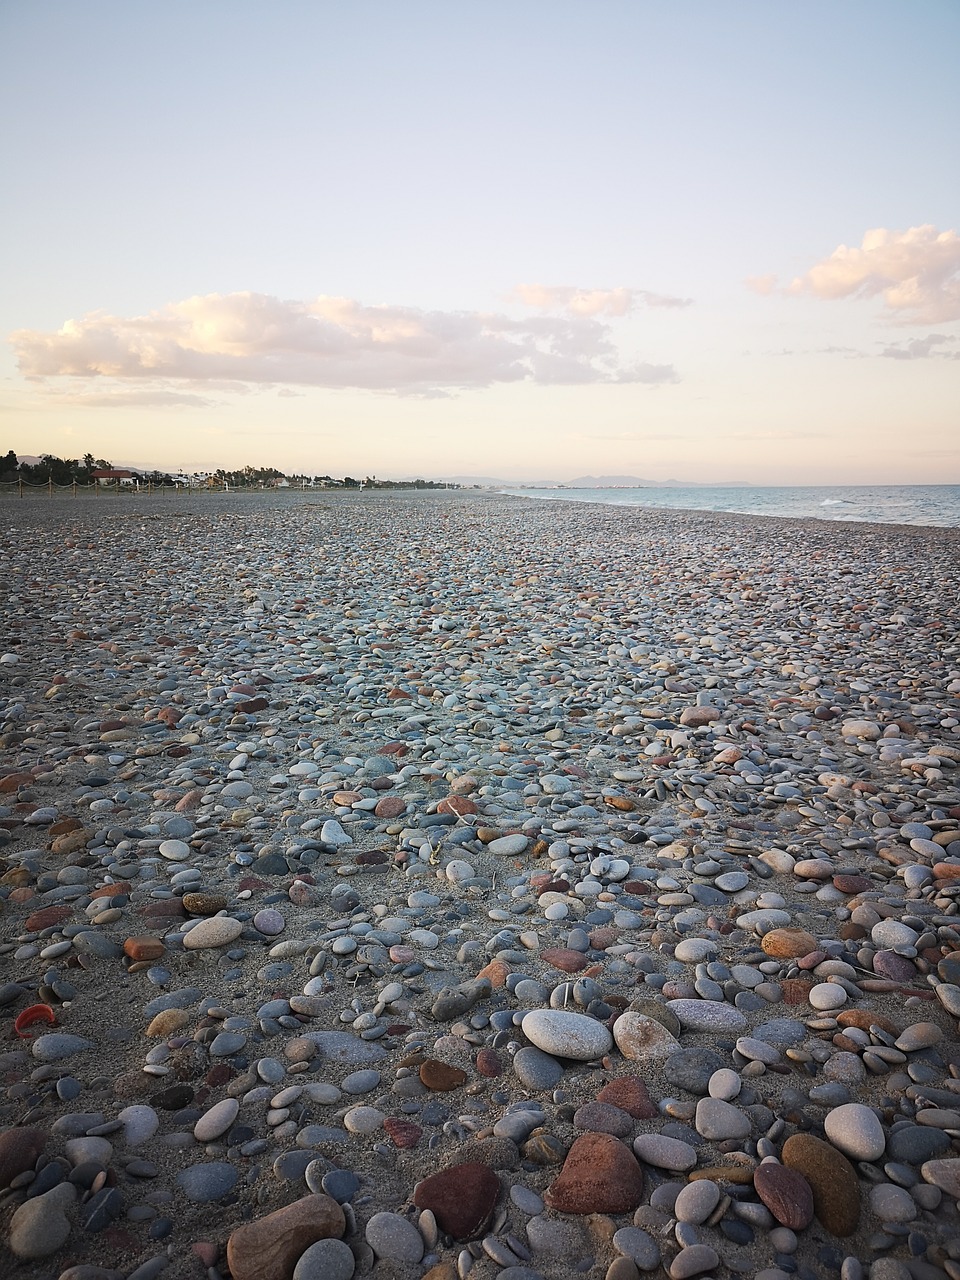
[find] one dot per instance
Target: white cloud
(592, 302)
(917, 272)
(923, 348)
(250, 338)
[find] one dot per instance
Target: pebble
(41, 1226)
(391, 1236)
(282, 836)
(270, 1247)
(567, 1035)
(856, 1131)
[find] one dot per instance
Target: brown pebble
(832, 1179)
(788, 943)
(462, 1198)
(629, 1093)
(143, 947)
(204, 904)
(268, 1248)
(865, 1019)
(488, 1063)
(564, 958)
(440, 1076)
(786, 1193)
(46, 917)
(19, 1151)
(168, 1022)
(600, 1175)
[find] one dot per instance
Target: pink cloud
(250, 338)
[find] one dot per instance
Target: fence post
(20, 486)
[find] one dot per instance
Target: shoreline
(415, 780)
(294, 497)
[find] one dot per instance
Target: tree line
(66, 471)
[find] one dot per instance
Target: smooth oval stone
(643, 1039)
(693, 1261)
(786, 1193)
(508, 846)
(58, 1045)
(203, 1182)
(599, 1175)
(140, 1123)
(212, 932)
(832, 1179)
(536, 1069)
(175, 850)
(567, 1035)
(893, 1204)
(708, 1016)
(664, 1152)
(637, 1245)
(391, 1236)
(697, 1201)
(718, 1121)
(40, 1226)
(325, 1260)
(855, 1130)
(217, 1120)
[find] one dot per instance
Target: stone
(461, 1197)
(944, 1174)
(855, 1130)
(19, 1151)
(40, 1226)
(788, 943)
(536, 1069)
(786, 1193)
(629, 1094)
(718, 1121)
(204, 1182)
(693, 1261)
(328, 1259)
(212, 932)
(643, 1039)
(215, 1122)
(708, 1016)
(599, 1175)
(601, 1117)
(664, 1152)
(567, 1035)
(697, 1201)
(639, 1247)
(440, 1076)
(58, 1045)
(393, 1237)
(832, 1180)
(270, 1247)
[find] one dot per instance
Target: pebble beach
(431, 885)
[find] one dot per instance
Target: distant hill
(591, 482)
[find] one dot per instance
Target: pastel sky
(709, 240)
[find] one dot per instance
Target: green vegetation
(68, 471)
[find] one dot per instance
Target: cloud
(251, 338)
(764, 285)
(923, 348)
(917, 273)
(156, 397)
(591, 302)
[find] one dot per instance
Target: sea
(937, 505)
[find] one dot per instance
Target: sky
(697, 239)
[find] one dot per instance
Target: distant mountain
(591, 482)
